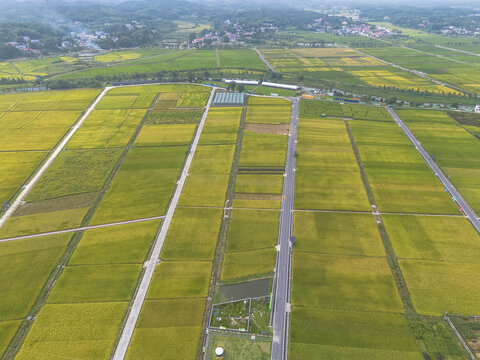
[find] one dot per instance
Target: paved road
(283, 266)
(265, 61)
(134, 313)
(83, 228)
(467, 210)
(28, 187)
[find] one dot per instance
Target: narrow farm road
(281, 304)
(28, 187)
(83, 228)
(465, 208)
(127, 331)
(265, 60)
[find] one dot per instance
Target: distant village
(88, 40)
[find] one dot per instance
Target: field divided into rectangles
(329, 108)
(399, 177)
(327, 175)
(344, 298)
(439, 259)
(259, 181)
(231, 61)
(97, 285)
(34, 122)
(172, 316)
(94, 288)
(250, 251)
(464, 75)
(339, 260)
(454, 149)
(344, 66)
(340, 272)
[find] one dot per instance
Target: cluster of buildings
(365, 30)
(27, 45)
(217, 38)
(455, 30)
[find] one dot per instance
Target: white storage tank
(219, 351)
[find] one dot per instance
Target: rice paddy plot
(324, 334)
(193, 234)
(119, 56)
(344, 283)
(437, 286)
(327, 175)
(117, 101)
(16, 167)
(43, 222)
(433, 238)
(115, 244)
(58, 100)
(169, 327)
(76, 99)
(263, 150)
(252, 229)
(21, 130)
(183, 60)
(87, 330)
(213, 159)
(454, 149)
(143, 185)
(390, 77)
(25, 266)
(75, 172)
(257, 201)
(205, 190)
(57, 204)
(95, 283)
(317, 108)
(221, 126)
(180, 279)
(362, 112)
(337, 233)
(193, 99)
(259, 183)
(242, 58)
(244, 265)
(106, 128)
(7, 101)
(400, 179)
(174, 116)
(268, 110)
(7, 331)
(168, 134)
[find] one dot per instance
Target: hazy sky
(293, 2)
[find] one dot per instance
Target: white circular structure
(219, 351)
